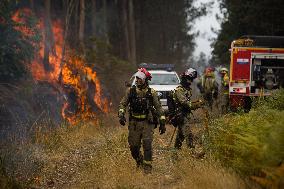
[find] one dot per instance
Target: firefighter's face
(139, 81)
(223, 73)
(188, 81)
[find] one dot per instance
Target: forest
(63, 69)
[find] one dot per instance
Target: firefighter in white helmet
(145, 111)
(183, 109)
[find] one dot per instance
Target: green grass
(253, 142)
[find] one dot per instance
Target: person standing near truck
(208, 87)
(224, 90)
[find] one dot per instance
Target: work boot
(191, 146)
(147, 166)
(139, 161)
(174, 156)
(136, 154)
(189, 141)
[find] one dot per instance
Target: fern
(252, 143)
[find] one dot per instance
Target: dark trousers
(140, 134)
(184, 133)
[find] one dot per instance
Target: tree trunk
(32, 5)
(132, 37)
(93, 22)
(82, 25)
(69, 10)
(105, 21)
(75, 27)
(48, 36)
(125, 29)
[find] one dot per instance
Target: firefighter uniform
(144, 112)
(224, 92)
(184, 105)
(208, 87)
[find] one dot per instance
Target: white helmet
(140, 75)
(190, 73)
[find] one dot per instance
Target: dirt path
(100, 158)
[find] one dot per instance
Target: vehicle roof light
(152, 66)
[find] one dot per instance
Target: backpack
(208, 84)
(145, 108)
(171, 104)
(174, 115)
(140, 105)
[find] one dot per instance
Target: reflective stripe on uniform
(147, 162)
(139, 116)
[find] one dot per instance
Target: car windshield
(164, 79)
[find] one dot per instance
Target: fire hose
(172, 137)
(206, 122)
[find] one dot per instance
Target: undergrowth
(251, 143)
(91, 155)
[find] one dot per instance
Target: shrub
(251, 142)
(18, 41)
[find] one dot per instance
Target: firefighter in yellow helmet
(145, 112)
(224, 90)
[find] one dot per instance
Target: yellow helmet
(223, 70)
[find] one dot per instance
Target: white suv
(163, 82)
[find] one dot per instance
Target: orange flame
(74, 72)
(20, 17)
(102, 103)
(37, 67)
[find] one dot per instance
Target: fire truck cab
(256, 68)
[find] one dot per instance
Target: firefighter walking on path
(224, 90)
(180, 108)
(208, 87)
(145, 112)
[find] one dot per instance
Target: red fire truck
(256, 68)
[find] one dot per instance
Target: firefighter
(145, 112)
(224, 90)
(184, 106)
(208, 87)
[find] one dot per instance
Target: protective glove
(162, 128)
(122, 120)
(201, 102)
(121, 117)
(197, 104)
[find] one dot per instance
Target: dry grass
(107, 163)
(97, 156)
